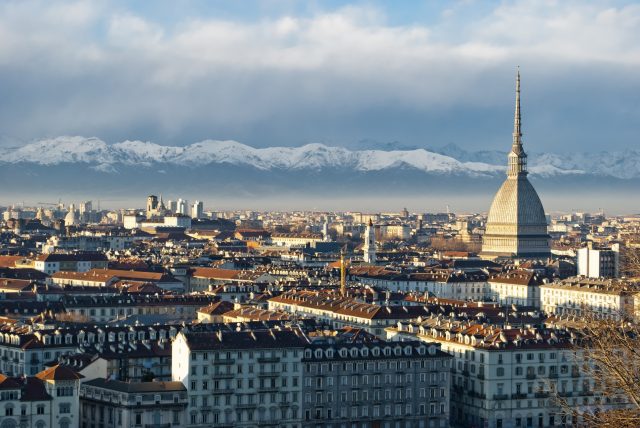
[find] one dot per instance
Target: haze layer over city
(327, 214)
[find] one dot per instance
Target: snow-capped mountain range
(451, 160)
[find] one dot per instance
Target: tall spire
(517, 157)
(517, 132)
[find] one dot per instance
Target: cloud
(338, 75)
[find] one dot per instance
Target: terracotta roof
(59, 372)
(137, 387)
(9, 261)
(62, 257)
(217, 308)
(215, 273)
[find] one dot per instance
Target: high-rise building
(599, 262)
(182, 207)
(369, 247)
(517, 225)
(152, 205)
(197, 209)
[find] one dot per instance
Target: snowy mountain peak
(450, 159)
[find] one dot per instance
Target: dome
(517, 203)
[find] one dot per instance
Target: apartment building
(510, 377)
(515, 287)
(241, 378)
(374, 383)
(342, 312)
(107, 403)
(47, 400)
(609, 298)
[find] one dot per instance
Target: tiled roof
(59, 372)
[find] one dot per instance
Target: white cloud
(90, 67)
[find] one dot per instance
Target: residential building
(608, 298)
(599, 262)
(111, 403)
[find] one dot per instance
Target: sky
(286, 73)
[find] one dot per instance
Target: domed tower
(517, 225)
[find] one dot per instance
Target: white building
(182, 207)
(608, 298)
(197, 210)
(47, 400)
(369, 247)
(594, 262)
(509, 377)
(241, 378)
(517, 287)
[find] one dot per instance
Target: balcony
(531, 376)
(246, 406)
(565, 393)
(553, 375)
(222, 391)
(541, 394)
(269, 360)
(500, 397)
(224, 362)
(157, 425)
(477, 395)
(268, 374)
(518, 396)
(223, 376)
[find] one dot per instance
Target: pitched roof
(135, 387)
(59, 372)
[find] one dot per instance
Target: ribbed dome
(517, 203)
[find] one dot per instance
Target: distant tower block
(369, 248)
(325, 231)
(152, 205)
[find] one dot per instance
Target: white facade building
(197, 210)
(596, 262)
(241, 379)
(369, 248)
(607, 298)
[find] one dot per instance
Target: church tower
(517, 225)
(369, 247)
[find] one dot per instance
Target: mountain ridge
(450, 159)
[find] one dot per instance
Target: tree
(630, 262)
(608, 353)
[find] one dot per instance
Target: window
(65, 408)
(138, 418)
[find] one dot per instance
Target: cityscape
(137, 289)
